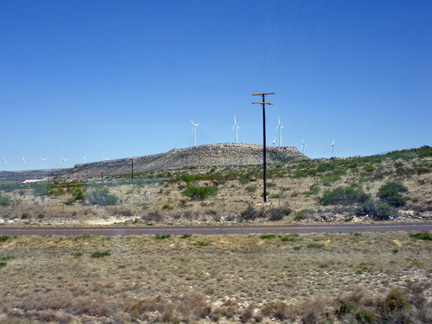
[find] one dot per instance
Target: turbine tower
(43, 160)
(24, 161)
(84, 159)
(332, 145)
(303, 145)
(194, 131)
(4, 160)
(280, 131)
(236, 126)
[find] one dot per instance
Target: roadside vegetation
(375, 188)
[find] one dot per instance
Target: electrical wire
(286, 43)
(269, 43)
(303, 46)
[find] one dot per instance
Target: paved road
(212, 230)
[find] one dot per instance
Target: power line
(304, 44)
(286, 43)
(269, 42)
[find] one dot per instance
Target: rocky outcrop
(197, 156)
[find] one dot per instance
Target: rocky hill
(198, 156)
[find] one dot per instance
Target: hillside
(211, 184)
(214, 155)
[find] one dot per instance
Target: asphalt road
(213, 230)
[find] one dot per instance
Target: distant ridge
(197, 156)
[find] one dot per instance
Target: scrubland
(351, 189)
(292, 278)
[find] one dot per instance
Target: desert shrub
(267, 236)
(383, 212)
(3, 264)
(324, 167)
(4, 200)
(200, 192)
(4, 238)
(344, 196)
(97, 255)
(299, 215)
(102, 197)
(391, 193)
(425, 236)
(291, 238)
(250, 213)
(316, 245)
(369, 168)
(201, 243)
(329, 179)
(185, 236)
(313, 190)
(278, 213)
(251, 189)
(379, 211)
(162, 236)
(394, 301)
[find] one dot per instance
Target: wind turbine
(194, 131)
(63, 160)
(43, 160)
(303, 144)
(84, 159)
(274, 141)
(236, 126)
(332, 145)
(280, 131)
(24, 161)
(4, 160)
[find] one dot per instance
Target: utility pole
(132, 171)
(263, 103)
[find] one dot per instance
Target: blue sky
(114, 79)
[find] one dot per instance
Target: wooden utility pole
(132, 174)
(263, 103)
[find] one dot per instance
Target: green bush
(391, 193)
(4, 200)
(251, 189)
(313, 190)
(425, 236)
(278, 213)
(102, 197)
(162, 236)
(4, 238)
(379, 211)
(250, 214)
(344, 196)
(200, 193)
(97, 255)
(267, 236)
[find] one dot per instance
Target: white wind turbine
(332, 145)
(194, 131)
(303, 145)
(280, 131)
(4, 160)
(24, 161)
(236, 126)
(43, 160)
(84, 159)
(63, 160)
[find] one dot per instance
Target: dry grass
(233, 278)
